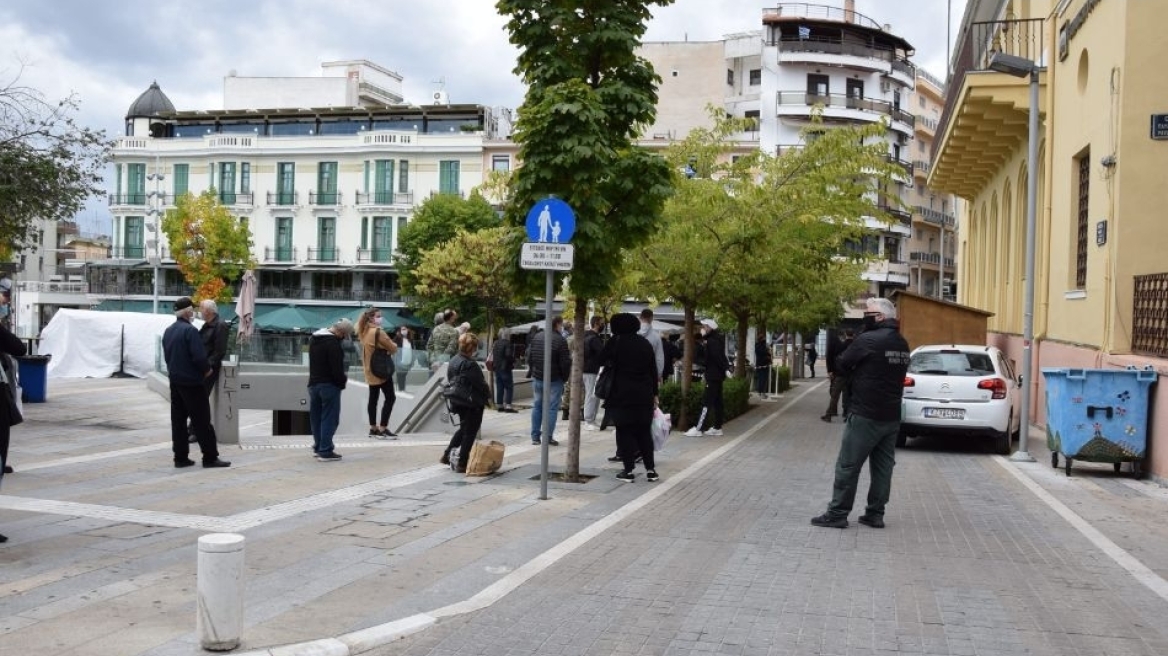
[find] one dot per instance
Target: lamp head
(1012, 64)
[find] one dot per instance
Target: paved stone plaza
(981, 556)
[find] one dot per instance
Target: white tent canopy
(89, 344)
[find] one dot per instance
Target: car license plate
(944, 413)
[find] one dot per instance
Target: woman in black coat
(9, 345)
(470, 418)
(633, 396)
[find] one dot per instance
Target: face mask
(378, 320)
(869, 320)
(705, 332)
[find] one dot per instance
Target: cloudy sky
(108, 51)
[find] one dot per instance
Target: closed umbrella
(245, 306)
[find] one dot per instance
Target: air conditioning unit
(440, 98)
(885, 86)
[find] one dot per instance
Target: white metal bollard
(219, 621)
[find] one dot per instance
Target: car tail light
(909, 382)
(997, 385)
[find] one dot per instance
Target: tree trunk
(743, 326)
(576, 395)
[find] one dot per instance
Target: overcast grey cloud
(109, 51)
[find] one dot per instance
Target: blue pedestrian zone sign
(551, 221)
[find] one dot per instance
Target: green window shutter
(134, 238)
(227, 182)
(136, 184)
(382, 227)
(448, 177)
(364, 231)
(285, 182)
(182, 176)
(245, 178)
(403, 175)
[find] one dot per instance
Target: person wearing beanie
(716, 366)
(187, 368)
(633, 396)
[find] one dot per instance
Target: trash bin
(1098, 415)
(34, 377)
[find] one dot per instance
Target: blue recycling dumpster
(34, 377)
(1098, 415)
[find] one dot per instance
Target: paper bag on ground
(485, 458)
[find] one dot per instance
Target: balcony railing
(921, 167)
(324, 198)
(236, 198)
(936, 217)
(375, 255)
(133, 198)
(377, 295)
(925, 258)
(819, 12)
(1022, 38)
(904, 66)
(1150, 315)
(842, 101)
(902, 217)
(128, 252)
(385, 198)
(71, 287)
(904, 164)
(283, 198)
(836, 46)
(322, 254)
(279, 254)
(436, 192)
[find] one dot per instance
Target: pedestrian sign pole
(550, 226)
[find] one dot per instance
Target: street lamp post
(1022, 67)
(156, 212)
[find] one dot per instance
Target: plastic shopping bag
(661, 427)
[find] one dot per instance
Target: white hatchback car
(964, 390)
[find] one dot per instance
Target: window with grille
(1084, 205)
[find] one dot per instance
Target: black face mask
(869, 321)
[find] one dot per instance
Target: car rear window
(951, 363)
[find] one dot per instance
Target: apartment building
(1100, 280)
(807, 57)
(326, 172)
(932, 247)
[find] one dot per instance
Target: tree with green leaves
(211, 247)
(589, 95)
(49, 165)
(472, 269)
(437, 220)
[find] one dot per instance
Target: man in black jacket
(716, 366)
(561, 365)
(876, 363)
(187, 368)
(839, 380)
(326, 379)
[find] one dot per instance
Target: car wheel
(1003, 442)
(1017, 434)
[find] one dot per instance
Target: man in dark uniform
(876, 363)
(187, 368)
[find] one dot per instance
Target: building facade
(809, 58)
(325, 190)
(1100, 278)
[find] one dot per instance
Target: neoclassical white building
(326, 171)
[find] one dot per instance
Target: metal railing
(843, 101)
(832, 46)
(1150, 315)
(385, 198)
(925, 258)
(977, 44)
(236, 198)
(71, 287)
(377, 295)
(921, 167)
(901, 216)
(820, 12)
(436, 192)
(283, 198)
(128, 252)
(279, 254)
(935, 216)
(931, 79)
(324, 198)
(904, 164)
(133, 198)
(375, 255)
(322, 254)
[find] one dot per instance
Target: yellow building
(1101, 278)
